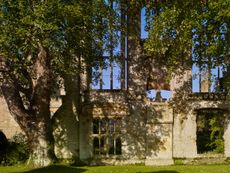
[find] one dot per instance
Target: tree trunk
(34, 119)
(42, 146)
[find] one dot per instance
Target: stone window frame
(109, 132)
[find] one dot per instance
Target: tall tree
(38, 41)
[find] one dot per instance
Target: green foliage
(179, 161)
(210, 131)
(16, 152)
(216, 135)
(70, 33)
(181, 29)
(3, 145)
(68, 30)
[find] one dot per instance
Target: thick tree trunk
(36, 124)
(43, 145)
(34, 120)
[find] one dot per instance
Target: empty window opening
(159, 95)
(147, 20)
(110, 72)
(144, 32)
(210, 130)
(158, 87)
(208, 78)
(106, 137)
(208, 56)
(106, 74)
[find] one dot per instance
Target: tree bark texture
(34, 119)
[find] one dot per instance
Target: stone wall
(146, 132)
(184, 132)
(159, 134)
(152, 132)
(65, 129)
(184, 136)
(7, 123)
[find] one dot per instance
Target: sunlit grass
(121, 169)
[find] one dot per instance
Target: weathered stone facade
(149, 132)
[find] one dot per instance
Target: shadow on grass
(160, 172)
(56, 169)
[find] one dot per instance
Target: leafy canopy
(184, 29)
(67, 29)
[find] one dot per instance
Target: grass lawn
(121, 169)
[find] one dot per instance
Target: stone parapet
(108, 96)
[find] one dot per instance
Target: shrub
(3, 145)
(216, 136)
(17, 151)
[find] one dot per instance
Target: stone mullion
(101, 72)
(111, 47)
(99, 135)
(107, 138)
(123, 36)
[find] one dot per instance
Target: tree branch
(24, 90)
(15, 103)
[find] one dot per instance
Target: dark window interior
(210, 130)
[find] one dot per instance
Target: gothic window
(106, 136)
(107, 71)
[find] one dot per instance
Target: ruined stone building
(117, 122)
